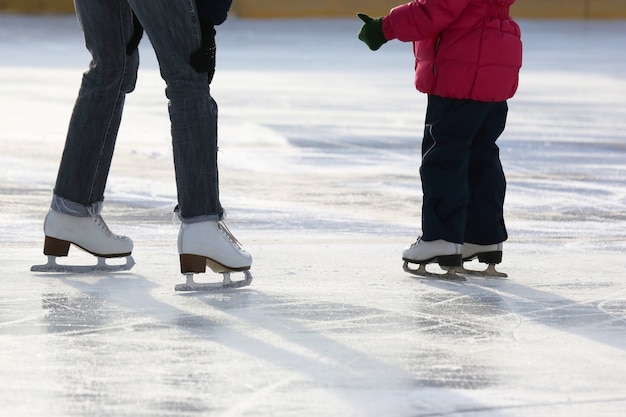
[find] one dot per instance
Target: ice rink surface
(319, 141)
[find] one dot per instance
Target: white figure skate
(446, 254)
(211, 243)
(90, 234)
(487, 254)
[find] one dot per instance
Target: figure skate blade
(102, 266)
(450, 274)
(227, 283)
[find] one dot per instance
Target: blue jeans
(462, 178)
(174, 31)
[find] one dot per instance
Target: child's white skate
(487, 254)
(446, 254)
(90, 234)
(211, 244)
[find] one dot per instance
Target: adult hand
(203, 60)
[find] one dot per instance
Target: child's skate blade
(227, 283)
(102, 266)
(450, 274)
(489, 272)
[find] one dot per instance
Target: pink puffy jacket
(464, 49)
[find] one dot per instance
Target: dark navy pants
(462, 177)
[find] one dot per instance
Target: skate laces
(222, 226)
(103, 226)
(417, 242)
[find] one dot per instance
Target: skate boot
(211, 243)
(446, 254)
(487, 254)
(90, 234)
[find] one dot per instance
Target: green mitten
(372, 32)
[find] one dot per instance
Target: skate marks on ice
(227, 283)
(101, 266)
(302, 338)
(591, 310)
(402, 350)
(251, 352)
(567, 330)
(311, 345)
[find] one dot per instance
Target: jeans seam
(113, 111)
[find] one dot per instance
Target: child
(468, 54)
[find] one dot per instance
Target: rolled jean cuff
(65, 206)
(198, 219)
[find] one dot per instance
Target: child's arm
(421, 19)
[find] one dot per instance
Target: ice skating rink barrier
(539, 9)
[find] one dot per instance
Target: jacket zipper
(436, 49)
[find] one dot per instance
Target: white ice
(319, 142)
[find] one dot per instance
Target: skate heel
(450, 260)
(490, 257)
(192, 264)
(55, 247)
(195, 264)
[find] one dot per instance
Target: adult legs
(93, 128)
(174, 31)
(203, 240)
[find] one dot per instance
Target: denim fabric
(174, 31)
(462, 178)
